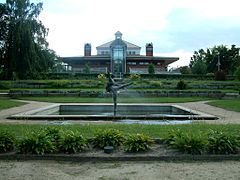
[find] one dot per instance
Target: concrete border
(110, 158)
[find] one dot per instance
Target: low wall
(176, 93)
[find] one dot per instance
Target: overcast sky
(175, 27)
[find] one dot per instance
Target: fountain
(123, 113)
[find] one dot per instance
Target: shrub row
(55, 140)
(213, 142)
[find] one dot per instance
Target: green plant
(156, 84)
(237, 73)
(135, 77)
(181, 85)
(36, 143)
(54, 134)
(151, 69)
(7, 141)
(189, 143)
(172, 136)
(137, 143)
(222, 143)
(108, 137)
(72, 142)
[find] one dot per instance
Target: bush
(221, 143)
(55, 135)
(172, 136)
(108, 137)
(36, 143)
(237, 73)
(137, 142)
(72, 142)
(188, 143)
(220, 76)
(157, 84)
(135, 77)
(7, 141)
(181, 85)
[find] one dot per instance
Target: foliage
(189, 143)
(172, 136)
(220, 76)
(108, 137)
(229, 59)
(7, 141)
(151, 69)
(185, 70)
(86, 68)
(156, 84)
(237, 73)
(137, 143)
(222, 143)
(135, 77)
(199, 67)
(72, 142)
(55, 135)
(181, 85)
(36, 143)
(102, 77)
(24, 52)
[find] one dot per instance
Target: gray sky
(175, 27)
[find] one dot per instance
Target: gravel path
(41, 170)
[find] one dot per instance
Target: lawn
(233, 105)
(61, 99)
(155, 131)
(8, 103)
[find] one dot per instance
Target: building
(119, 57)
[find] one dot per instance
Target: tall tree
(229, 59)
(23, 46)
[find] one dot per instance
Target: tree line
(212, 60)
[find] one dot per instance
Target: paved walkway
(225, 116)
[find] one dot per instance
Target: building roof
(129, 45)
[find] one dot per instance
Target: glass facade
(118, 55)
(118, 60)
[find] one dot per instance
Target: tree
(229, 59)
(185, 70)
(23, 46)
(151, 69)
(86, 68)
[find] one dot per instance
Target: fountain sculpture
(114, 88)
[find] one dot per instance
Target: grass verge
(8, 103)
(233, 105)
(154, 131)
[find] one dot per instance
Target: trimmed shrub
(72, 142)
(108, 137)
(137, 143)
(7, 141)
(237, 73)
(181, 85)
(36, 143)
(222, 143)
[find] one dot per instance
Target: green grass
(62, 99)
(8, 103)
(233, 105)
(155, 131)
